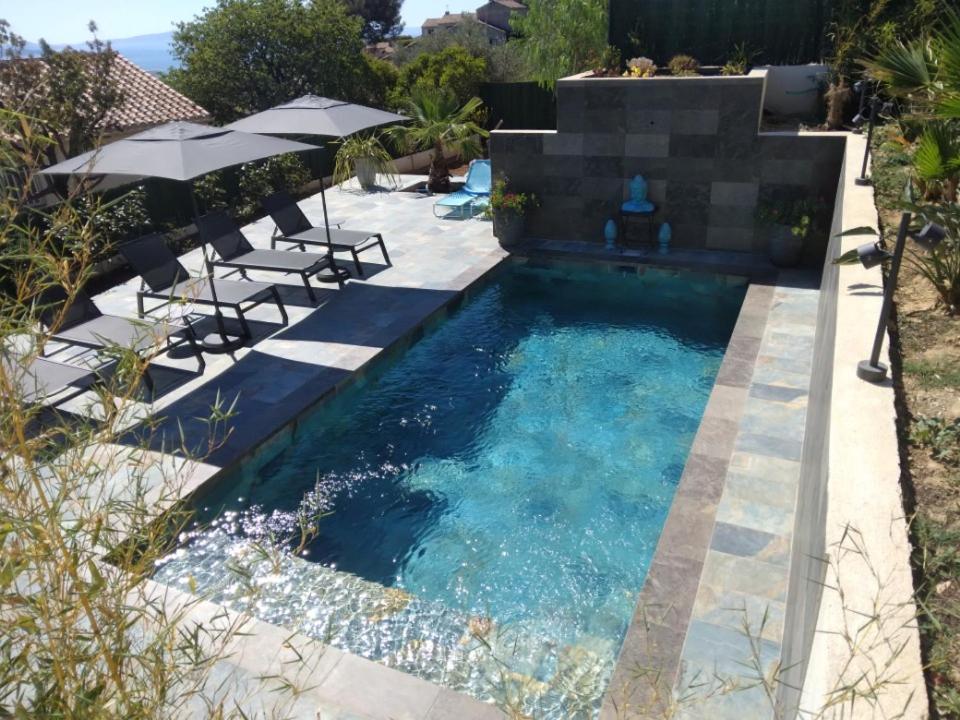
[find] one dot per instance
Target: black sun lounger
(236, 252)
(164, 278)
(43, 379)
(294, 227)
(83, 325)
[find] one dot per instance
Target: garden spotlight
(871, 255)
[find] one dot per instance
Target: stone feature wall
(697, 142)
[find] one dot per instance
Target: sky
(65, 21)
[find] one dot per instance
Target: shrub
(641, 67)
(739, 61)
(608, 63)
(683, 65)
(453, 69)
(113, 221)
(259, 179)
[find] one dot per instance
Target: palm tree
(439, 122)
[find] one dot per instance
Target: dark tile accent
(703, 477)
(594, 166)
(736, 540)
(693, 146)
(776, 393)
(735, 372)
(715, 437)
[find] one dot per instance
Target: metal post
(863, 179)
(864, 88)
(323, 201)
(873, 370)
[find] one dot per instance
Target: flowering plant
(640, 67)
(503, 200)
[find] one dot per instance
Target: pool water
(495, 496)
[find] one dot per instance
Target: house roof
(512, 4)
(147, 100)
(447, 19)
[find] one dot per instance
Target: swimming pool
(495, 495)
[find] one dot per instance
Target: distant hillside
(151, 52)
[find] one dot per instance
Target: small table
(626, 213)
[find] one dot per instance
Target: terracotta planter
(785, 248)
(508, 227)
(366, 172)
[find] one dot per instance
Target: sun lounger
(236, 252)
(42, 380)
(473, 198)
(82, 324)
(164, 278)
(294, 227)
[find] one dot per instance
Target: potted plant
(508, 209)
(438, 121)
(788, 224)
(365, 156)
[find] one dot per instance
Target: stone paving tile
(745, 575)
(777, 419)
(777, 393)
(755, 514)
(786, 448)
(772, 489)
(718, 652)
(746, 542)
(765, 466)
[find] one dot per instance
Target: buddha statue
(638, 202)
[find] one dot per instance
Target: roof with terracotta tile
(147, 100)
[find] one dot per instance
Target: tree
(561, 37)
(68, 94)
(454, 68)
(243, 56)
(439, 121)
(505, 62)
(381, 18)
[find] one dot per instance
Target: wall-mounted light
(871, 255)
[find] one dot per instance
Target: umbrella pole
(323, 201)
(219, 342)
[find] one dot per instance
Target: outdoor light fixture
(875, 108)
(871, 255)
(860, 87)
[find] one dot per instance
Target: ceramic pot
(785, 248)
(366, 172)
(508, 227)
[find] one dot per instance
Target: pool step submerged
(467, 653)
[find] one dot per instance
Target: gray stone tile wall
(695, 140)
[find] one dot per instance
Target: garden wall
(695, 139)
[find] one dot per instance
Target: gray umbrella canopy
(176, 151)
(315, 115)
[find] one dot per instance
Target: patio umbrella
(180, 151)
(176, 151)
(315, 115)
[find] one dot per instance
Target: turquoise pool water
(495, 496)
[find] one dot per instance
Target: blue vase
(610, 234)
(664, 237)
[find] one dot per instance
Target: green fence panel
(519, 106)
(777, 31)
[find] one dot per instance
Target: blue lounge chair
(474, 196)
